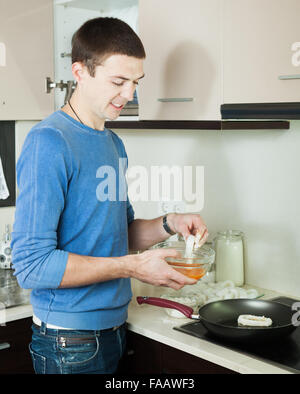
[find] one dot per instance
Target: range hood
(284, 111)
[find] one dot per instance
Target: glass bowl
(195, 266)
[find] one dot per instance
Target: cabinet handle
(4, 345)
(175, 99)
(65, 54)
(284, 77)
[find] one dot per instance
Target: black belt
(65, 329)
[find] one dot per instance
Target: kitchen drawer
(16, 359)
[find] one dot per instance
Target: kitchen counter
(15, 313)
(153, 322)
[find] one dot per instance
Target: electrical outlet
(171, 206)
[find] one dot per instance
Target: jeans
(76, 351)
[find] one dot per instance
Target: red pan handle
(186, 310)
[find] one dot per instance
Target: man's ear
(79, 70)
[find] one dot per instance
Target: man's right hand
(151, 267)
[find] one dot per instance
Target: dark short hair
(99, 38)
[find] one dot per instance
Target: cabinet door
(26, 58)
(142, 356)
(261, 41)
(14, 352)
(182, 68)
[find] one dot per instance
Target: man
(70, 244)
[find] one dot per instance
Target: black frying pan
(220, 317)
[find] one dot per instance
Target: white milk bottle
(229, 256)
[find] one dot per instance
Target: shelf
(256, 125)
(197, 125)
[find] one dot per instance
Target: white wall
(251, 184)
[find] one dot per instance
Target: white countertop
(15, 313)
(154, 323)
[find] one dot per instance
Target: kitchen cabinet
(201, 56)
(242, 55)
(147, 356)
(15, 337)
(183, 66)
(261, 51)
(35, 46)
(26, 58)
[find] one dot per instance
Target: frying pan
(220, 318)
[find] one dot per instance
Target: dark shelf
(256, 125)
(197, 125)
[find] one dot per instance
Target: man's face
(113, 85)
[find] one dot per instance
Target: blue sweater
(72, 198)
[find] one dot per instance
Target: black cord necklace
(75, 112)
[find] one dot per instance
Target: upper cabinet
(242, 56)
(261, 51)
(183, 65)
(26, 58)
(203, 56)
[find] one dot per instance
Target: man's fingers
(203, 239)
(186, 235)
(169, 252)
(181, 279)
(201, 231)
(204, 234)
(179, 285)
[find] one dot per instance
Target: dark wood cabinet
(16, 359)
(146, 356)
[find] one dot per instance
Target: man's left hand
(187, 224)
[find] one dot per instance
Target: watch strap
(166, 226)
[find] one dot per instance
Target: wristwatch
(166, 226)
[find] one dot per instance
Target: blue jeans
(76, 351)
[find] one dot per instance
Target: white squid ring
(254, 321)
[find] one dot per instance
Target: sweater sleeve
(43, 170)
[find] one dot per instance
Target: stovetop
(285, 353)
